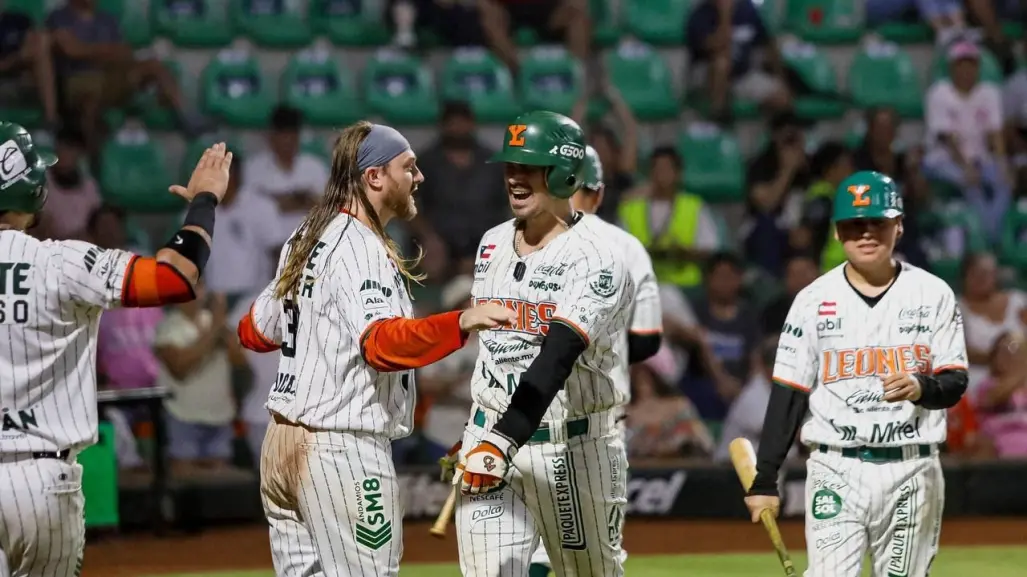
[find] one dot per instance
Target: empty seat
(475, 76)
(400, 88)
(136, 27)
(882, 74)
(550, 79)
(133, 174)
(644, 81)
(235, 90)
(714, 168)
(657, 21)
(313, 83)
(348, 22)
(194, 23)
(281, 24)
(816, 71)
(825, 21)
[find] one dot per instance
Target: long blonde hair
(345, 186)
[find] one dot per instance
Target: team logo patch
(858, 192)
(13, 165)
(485, 251)
(603, 285)
(490, 463)
(827, 309)
(826, 505)
(516, 134)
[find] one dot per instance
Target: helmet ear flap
(561, 182)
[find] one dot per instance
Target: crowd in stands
(733, 237)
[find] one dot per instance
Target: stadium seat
(348, 22)
(235, 90)
(714, 168)
(34, 9)
(1012, 248)
(816, 70)
(153, 112)
(136, 27)
(550, 79)
(660, 22)
(605, 28)
(955, 214)
(311, 143)
(194, 23)
(825, 21)
(991, 70)
(400, 88)
(133, 175)
(474, 75)
(644, 81)
(281, 24)
(884, 75)
(313, 83)
(905, 32)
(773, 14)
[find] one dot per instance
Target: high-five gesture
(210, 174)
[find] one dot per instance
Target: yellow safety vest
(681, 230)
(834, 253)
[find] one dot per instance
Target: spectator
(99, 71)
(963, 437)
(1001, 400)
(661, 423)
(26, 66)
(964, 120)
(455, 22)
(72, 193)
(722, 37)
(554, 21)
(243, 259)
(775, 180)
(745, 419)
(618, 155)
(989, 15)
(447, 382)
(988, 311)
(800, 271)
(830, 165)
(263, 370)
(1014, 110)
(944, 16)
(198, 349)
(676, 228)
(458, 181)
(291, 178)
(877, 152)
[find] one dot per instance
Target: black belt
(879, 454)
(61, 455)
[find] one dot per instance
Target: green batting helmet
(22, 170)
(544, 138)
(867, 194)
(592, 170)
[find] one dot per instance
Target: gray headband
(382, 144)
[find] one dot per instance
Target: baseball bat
(744, 460)
(442, 522)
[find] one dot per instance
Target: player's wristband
(192, 246)
(201, 212)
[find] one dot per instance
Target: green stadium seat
(136, 27)
(825, 21)
(954, 214)
(235, 90)
(991, 70)
(905, 32)
(349, 22)
(644, 81)
(156, 115)
(34, 9)
(400, 88)
(313, 83)
(1012, 248)
(133, 174)
(772, 13)
(884, 75)
(816, 70)
(194, 23)
(714, 168)
(276, 24)
(660, 22)
(311, 143)
(605, 28)
(474, 75)
(550, 79)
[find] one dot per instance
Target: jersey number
(292, 321)
(14, 312)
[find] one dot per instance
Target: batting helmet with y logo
(543, 138)
(867, 194)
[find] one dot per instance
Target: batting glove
(486, 466)
(450, 461)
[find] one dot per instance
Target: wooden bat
(442, 522)
(744, 460)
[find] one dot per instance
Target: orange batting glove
(486, 465)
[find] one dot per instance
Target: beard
(401, 202)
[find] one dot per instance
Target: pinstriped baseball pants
(42, 522)
(570, 495)
(332, 502)
(891, 509)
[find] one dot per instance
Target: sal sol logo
(826, 504)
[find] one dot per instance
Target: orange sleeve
(251, 338)
(399, 344)
(149, 283)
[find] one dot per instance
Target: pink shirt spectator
(1006, 425)
(125, 347)
(68, 209)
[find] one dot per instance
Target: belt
(879, 454)
(36, 455)
(575, 428)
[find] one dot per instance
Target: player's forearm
(540, 384)
(942, 390)
(785, 411)
(642, 346)
(400, 344)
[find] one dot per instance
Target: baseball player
(543, 454)
(52, 294)
(642, 339)
(870, 357)
(337, 312)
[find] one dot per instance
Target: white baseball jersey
(580, 279)
(323, 381)
(839, 348)
(51, 297)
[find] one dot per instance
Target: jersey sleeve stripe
(949, 368)
(125, 281)
(250, 336)
(154, 283)
(270, 344)
(646, 331)
(570, 324)
(399, 344)
(791, 385)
